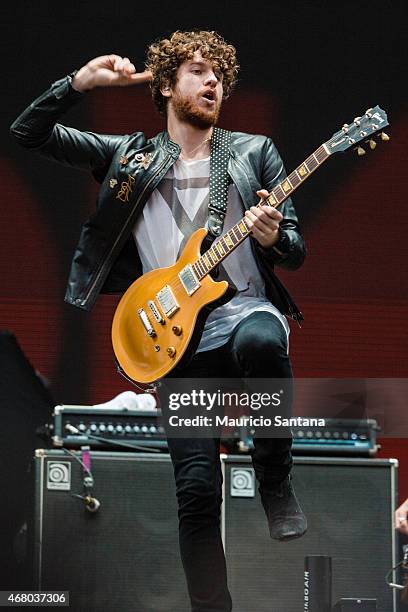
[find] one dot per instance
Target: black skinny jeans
(257, 349)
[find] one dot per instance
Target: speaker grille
(123, 557)
(349, 505)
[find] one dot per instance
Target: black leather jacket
(106, 258)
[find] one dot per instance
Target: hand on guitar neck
(264, 222)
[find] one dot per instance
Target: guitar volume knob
(171, 351)
(177, 330)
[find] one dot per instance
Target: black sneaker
(285, 517)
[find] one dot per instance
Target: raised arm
(37, 128)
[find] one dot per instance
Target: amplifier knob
(327, 434)
(119, 428)
(152, 429)
(128, 429)
(102, 428)
(136, 428)
(93, 428)
(82, 427)
(318, 434)
(144, 429)
(110, 428)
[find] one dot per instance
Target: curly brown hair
(166, 55)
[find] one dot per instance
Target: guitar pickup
(167, 301)
(189, 280)
(146, 323)
(155, 312)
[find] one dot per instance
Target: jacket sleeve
(289, 252)
(36, 129)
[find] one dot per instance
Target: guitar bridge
(146, 323)
(167, 301)
(189, 280)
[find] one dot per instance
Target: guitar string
(176, 283)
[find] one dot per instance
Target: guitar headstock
(362, 129)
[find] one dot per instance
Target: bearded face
(197, 95)
(200, 111)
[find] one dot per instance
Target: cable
(91, 503)
(149, 449)
(66, 450)
(393, 585)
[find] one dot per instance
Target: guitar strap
(219, 181)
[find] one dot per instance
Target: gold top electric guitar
(159, 320)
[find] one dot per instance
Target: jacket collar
(164, 141)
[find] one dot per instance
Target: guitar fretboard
(237, 234)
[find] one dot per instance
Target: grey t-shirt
(178, 207)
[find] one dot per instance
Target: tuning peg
(345, 128)
(357, 121)
(369, 113)
(384, 136)
(372, 144)
(360, 151)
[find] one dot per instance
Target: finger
(262, 193)
(256, 215)
(112, 59)
(130, 68)
(119, 64)
(141, 77)
(259, 233)
(258, 227)
(272, 212)
(115, 59)
(263, 220)
(270, 217)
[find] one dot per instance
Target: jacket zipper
(95, 281)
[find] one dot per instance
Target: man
(154, 193)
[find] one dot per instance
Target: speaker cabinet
(125, 556)
(349, 505)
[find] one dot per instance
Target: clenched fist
(108, 71)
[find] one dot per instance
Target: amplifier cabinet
(349, 505)
(125, 556)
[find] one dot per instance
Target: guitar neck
(237, 234)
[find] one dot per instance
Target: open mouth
(209, 95)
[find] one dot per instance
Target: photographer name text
(244, 421)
